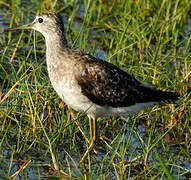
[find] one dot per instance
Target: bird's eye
(40, 20)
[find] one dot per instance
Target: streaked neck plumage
(55, 41)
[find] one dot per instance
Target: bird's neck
(56, 54)
(55, 43)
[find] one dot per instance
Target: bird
(89, 84)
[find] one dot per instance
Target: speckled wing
(105, 84)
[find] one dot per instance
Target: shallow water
(39, 165)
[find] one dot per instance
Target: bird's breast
(64, 83)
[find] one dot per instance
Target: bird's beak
(27, 26)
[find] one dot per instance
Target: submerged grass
(149, 39)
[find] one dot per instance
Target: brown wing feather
(106, 84)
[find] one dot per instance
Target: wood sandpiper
(89, 84)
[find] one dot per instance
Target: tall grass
(149, 39)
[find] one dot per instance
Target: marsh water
(39, 166)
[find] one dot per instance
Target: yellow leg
(95, 129)
(93, 137)
(91, 128)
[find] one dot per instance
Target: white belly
(71, 94)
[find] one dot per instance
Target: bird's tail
(168, 97)
(151, 94)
